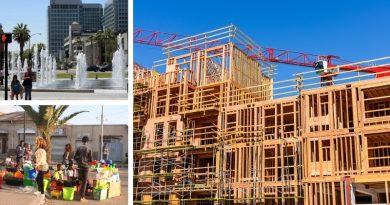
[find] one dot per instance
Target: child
(72, 172)
(71, 175)
(58, 175)
(16, 88)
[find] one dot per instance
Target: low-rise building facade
(16, 126)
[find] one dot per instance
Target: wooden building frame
(216, 129)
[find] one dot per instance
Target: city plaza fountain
(81, 70)
(119, 64)
(45, 67)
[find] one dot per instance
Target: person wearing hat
(83, 157)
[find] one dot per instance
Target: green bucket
(28, 182)
(100, 194)
(45, 184)
(68, 193)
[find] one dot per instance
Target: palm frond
(69, 117)
(32, 113)
(59, 111)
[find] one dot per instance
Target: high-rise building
(115, 16)
(62, 13)
(91, 17)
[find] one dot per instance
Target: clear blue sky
(31, 12)
(113, 114)
(354, 30)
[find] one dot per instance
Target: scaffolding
(215, 128)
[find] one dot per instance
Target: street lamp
(29, 49)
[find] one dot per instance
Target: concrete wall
(76, 132)
(73, 134)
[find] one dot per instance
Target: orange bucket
(19, 175)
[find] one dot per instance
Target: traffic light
(6, 38)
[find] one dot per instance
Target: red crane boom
(157, 38)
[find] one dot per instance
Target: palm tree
(78, 43)
(41, 46)
(110, 43)
(47, 119)
(21, 34)
(99, 37)
(91, 38)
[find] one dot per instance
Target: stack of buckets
(29, 176)
(100, 191)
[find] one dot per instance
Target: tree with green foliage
(99, 37)
(107, 44)
(47, 119)
(91, 39)
(79, 43)
(41, 46)
(21, 34)
(110, 44)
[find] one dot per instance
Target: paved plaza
(18, 197)
(95, 95)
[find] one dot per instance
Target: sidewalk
(19, 198)
(123, 95)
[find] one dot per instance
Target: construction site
(217, 128)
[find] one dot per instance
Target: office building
(62, 13)
(115, 16)
(91, 15)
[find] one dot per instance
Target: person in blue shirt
(16, 88)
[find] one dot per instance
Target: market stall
(103, 181)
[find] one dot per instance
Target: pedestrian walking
(83, 157)
(27, 83)
(41, 164)
(20, 149)
(16, 88)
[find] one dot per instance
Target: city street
(16, 196)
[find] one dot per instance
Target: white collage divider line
(130, 103)
(125, 102)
